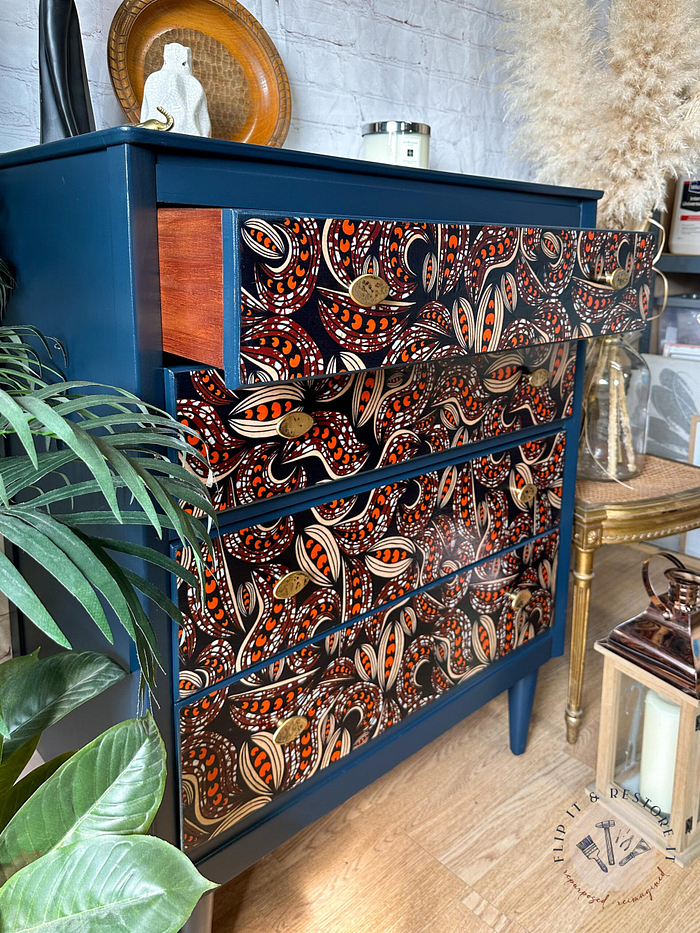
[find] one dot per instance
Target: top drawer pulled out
(275, 298)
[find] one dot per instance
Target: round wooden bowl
(232, 56)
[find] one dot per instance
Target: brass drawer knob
(520, 599)
(538, 378)
(526, 493)
(289, 729)
(619, 278)
(290, 584)
(295, 424)
(368, 290)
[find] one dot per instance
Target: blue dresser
(385, 367)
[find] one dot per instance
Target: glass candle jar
(397, 143)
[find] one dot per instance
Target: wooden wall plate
(234, 58)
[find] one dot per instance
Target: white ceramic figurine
(176, 90)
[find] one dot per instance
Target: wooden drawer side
(190, 253)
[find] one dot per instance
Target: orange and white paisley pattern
(363, 421)
(354, 684)
(359, 553)
(454, 290)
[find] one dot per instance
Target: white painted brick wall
(349, 62)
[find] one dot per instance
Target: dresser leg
(201, 919)
(583, 576)
(520, 699)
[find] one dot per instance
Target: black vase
(66, 108)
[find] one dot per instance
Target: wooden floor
(458, 839)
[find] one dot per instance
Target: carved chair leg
(583, 575)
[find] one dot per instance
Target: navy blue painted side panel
(81, 236)
(56, 231)
(320, 794)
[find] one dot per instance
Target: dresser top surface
(178, 144)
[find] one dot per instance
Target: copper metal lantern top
(665, 638)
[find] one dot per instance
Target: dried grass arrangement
(607, 96)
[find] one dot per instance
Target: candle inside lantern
(659, 743)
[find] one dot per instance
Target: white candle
(659, 742)
(397, 143)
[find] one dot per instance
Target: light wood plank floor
(458, 838)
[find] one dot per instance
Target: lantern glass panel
(646, 742)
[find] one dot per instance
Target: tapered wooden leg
(520, 699)
(583, 575)
(201, 919)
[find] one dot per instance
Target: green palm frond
(90, 455)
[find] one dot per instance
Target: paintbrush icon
(591, 851)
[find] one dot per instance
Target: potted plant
(73, 846)
(74, 853)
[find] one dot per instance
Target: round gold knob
(368, 290)
(289, 729)
(619, 278)
(539, 378)
(520, 599)
(526, 493)
(290, 584)
(295, 424)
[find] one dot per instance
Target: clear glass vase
(615, 403)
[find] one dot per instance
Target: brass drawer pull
(290, 584)
(368, 290)
(526, 494)
(538, 378)
(619, 278)
(289, 729)
(520, 599)
(295, 424)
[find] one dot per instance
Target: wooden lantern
(648, 770)
(671, 824)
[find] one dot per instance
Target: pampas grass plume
(607, 101)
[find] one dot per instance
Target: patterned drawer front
(364, 421)
(451, 290)
(353, 685)
(358, 554)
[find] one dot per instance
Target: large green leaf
(19, 793)
(14, 765)
(19, 592)
(112, 786)
(19, 422)
(111, 884)
(79, 442)
(19, 665)
(56, 562)
(50, 689)
(73, 544)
